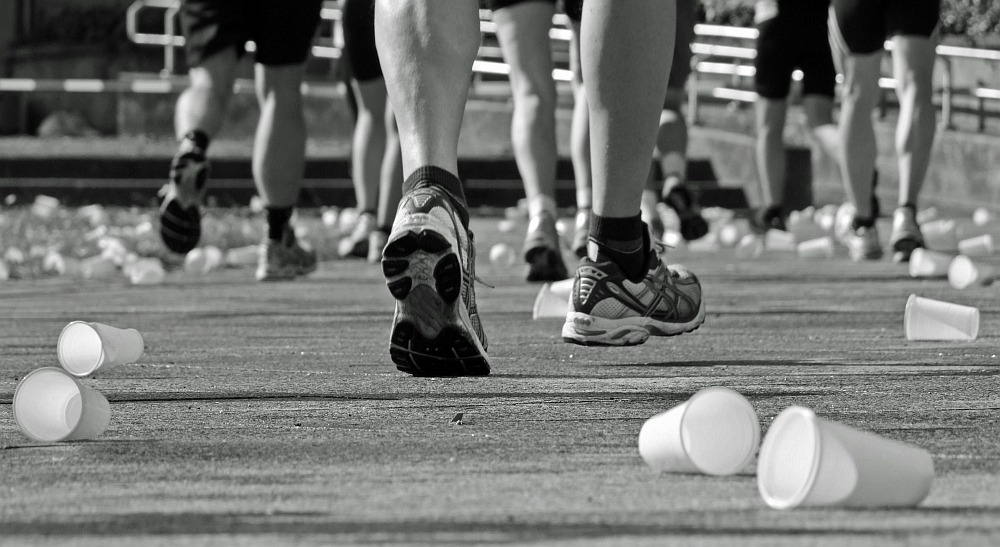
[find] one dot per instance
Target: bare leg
(426, 48)
(771, 149)
(391, 177)
(913, 67)
(203, 104)
(857, 135)
(672, 141)
(523, 31)
(626, 80)
(280, 144)
(369, 145)
(819, 116)
(580, 128)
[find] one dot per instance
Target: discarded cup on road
(939, 235)
(553, 299)
(924, 263)
(924, 216)
(731, 232)
(963, 272)
(982, 216)
(502, 254)
(929, 319)
(821, 247)
(242, 256)
(779, 240)
(145, 271)
(84, 347)
(809, 461)
(976, 246)
(715, 432)
(202, 260)
(709, 243)
(750, 246)
(50, 405)
(98, 267)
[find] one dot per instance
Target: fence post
(946, 95)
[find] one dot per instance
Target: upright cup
(928, 319)
(50, 405)
(84, 347)
(553, 299)
(924, 263)
(715, 432)
(808, 461)
(963, 272)
(976, 246)
(939, 235)
(821, 247)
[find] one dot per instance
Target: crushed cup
(50, 405)
(924, 263)
(553, 299)
(715, 432)
(963, 272)
(85, 347)
(929, 319)
(809, 461)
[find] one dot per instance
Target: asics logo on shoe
(420, 200)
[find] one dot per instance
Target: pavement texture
(265, 414)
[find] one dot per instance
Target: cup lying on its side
(50, 406)
(84, 347)
(553, 299)
(924, 263)
(963, 272)
(929, 319)
(809, 461)
(715, 432)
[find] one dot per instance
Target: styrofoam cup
(715, 432)
(924, 263)
(821, 247)
(84, 347)
(976, 246)
(50, 405)
(553, 299)
(929, 319)
(963, 272)
(779, 240)
(939, 235)
(809, 461)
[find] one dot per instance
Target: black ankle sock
(431, 175)
(199, 140)
(624, 241)
(277, 219)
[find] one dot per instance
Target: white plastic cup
(502, 254)
(963, 272)
(929, 319)
(821, 247)
(145, 271)
(808, 461)
(715, 432)
(939, 235)
(976, 246)
(50, 406)
(98, 267)
(779, 240)
(982, 216)
(553, 299)
(750, 246)
(924, 216)
(924, 263)
(85, 347)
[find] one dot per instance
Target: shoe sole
(180, 228)
(545, 264)
(431, 332)
(586, 330)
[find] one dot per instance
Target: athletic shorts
(795, 37)
(687, 16)
(862, 26)
(359, 40)
(282, 30)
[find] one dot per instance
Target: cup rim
(59, 350)
(798, 497)
(742, 401)
(13, 402)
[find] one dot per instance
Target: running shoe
(684, 202)
(905, 235)
(581, 233)
(284, 259)
(429, 267)
(542, 250)
(606, 309)
(376, 242)
(863, 243)
(768, 218)
(356, 244)
(180, 214)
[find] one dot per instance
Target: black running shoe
(682, 200)
(180, 214)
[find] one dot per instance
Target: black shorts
(283, 31)
(359, 40)
(795, 38)
(862, 26)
